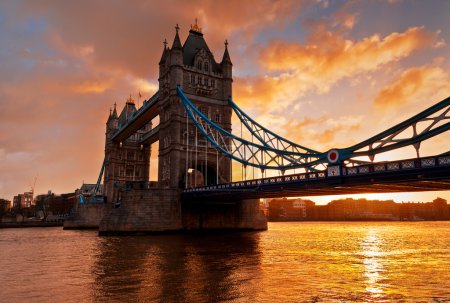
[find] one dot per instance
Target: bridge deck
(146, 113)
(151, 137)
(421, 174)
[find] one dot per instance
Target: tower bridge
(195, 189)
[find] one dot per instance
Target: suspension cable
(196, 156)
(187, 150)
(217, 166)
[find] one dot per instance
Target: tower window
(213, 83)
(192, 79)
(130, 156)
(199, 65)
(191, 140)
(206, 67)
(129, 172)
(217, 118)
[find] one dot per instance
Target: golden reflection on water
(291, 262)
(373, 269)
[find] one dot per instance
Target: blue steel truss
(275, 152)
(244, 151)
(270, 139)
(425, 125)
(265, 136)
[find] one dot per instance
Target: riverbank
(30, 224)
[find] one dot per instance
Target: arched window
(206, 67)
(199, 65)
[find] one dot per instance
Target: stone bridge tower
(125, 161)
(185, 157)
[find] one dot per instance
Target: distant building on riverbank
(56, 204)
(5, 206)
(353, 210)
(24, 200)
(289, 209)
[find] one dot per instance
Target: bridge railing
(333, 172)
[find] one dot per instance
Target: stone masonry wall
(161, 210)
(149, 210)
(87, 216)
(238, 215)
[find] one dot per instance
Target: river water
(291, 262)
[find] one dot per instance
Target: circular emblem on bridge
(333, 156)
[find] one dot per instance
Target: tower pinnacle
(226, 55)
(176, 41)
(114, 113)
(196, 28)
(130, 100)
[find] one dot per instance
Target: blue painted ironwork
(275, 152)
(99, 180)
(387, 140)
(244, 151)
(419, 174)
(265, 136)
(270, 139)
(94, 198)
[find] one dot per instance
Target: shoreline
(30, 224)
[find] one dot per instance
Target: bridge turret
(164, 58)
(176, 61)
(124, 161)
(227, 70)
(112, 123)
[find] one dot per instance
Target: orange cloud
(91, 87)
(129, 37)
(414, 85)
(325, 59)
(332, 57)
(322, 132)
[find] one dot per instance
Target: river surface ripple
(291, 262)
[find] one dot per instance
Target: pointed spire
(114, 113)
(226, 55)
(164, 53)
(176, 42)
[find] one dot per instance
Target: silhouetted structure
(361, 209)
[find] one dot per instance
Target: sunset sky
(321, 73)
